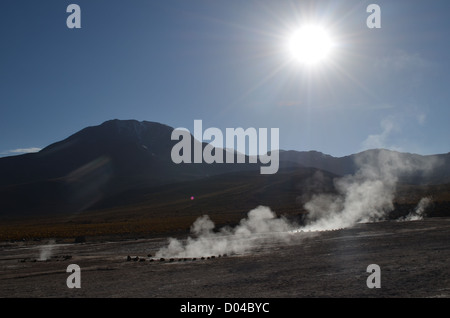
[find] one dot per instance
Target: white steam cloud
(260, 226)
(45, 251)
(368, 195)
(419, 211)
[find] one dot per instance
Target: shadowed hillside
(118, 179)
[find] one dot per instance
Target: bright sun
(310, 44)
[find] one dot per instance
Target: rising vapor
(419, 211)
(45, 251)
(366, 196)
(261, 225)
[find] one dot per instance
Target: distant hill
(95, 163)
(124, 162)
(438, 171)
(123, 150)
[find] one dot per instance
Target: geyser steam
(260, 226)
(45, 251)
(367, 195)
(419, 211)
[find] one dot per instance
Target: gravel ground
(413, 258)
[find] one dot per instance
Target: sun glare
(310, 44)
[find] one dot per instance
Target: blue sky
(225, 62)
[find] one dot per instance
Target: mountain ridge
(100, 162)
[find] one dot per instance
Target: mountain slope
(121, 161)
(409, 168)
(95, 163)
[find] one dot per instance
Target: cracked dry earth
(413, 258)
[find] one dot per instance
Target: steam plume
(367, 195)
(45, 251)
(260, 225)
(419, 211)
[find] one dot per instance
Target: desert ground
(413, 259)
